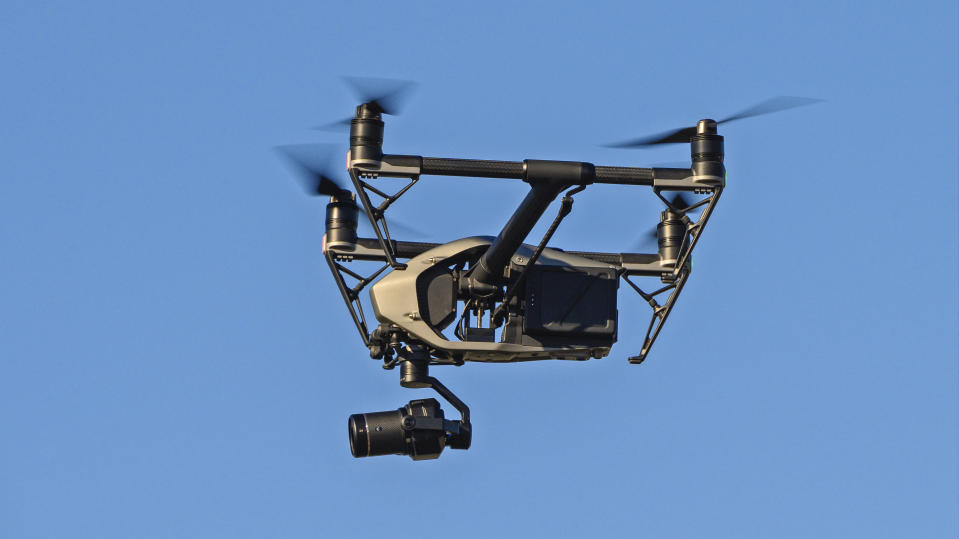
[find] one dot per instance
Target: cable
(566, 206)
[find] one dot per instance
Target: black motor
(341, 221)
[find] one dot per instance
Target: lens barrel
(415, 430)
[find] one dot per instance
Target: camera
(418, 429)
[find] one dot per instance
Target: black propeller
(685, 134)
(313, 164)
(386, 96)
(680, 203)
(648, 240)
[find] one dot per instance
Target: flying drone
(498, 299)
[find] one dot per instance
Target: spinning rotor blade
(648, 240)
(680, 203)
(774, 104)
(312, 162)
(685, 134)
(679, 135)
(314, 165)
(387, 96)
(338, 125)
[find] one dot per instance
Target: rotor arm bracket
(351, 295)
(676, 279)
(377, 214)
(660, 312)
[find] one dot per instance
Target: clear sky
(175, 360)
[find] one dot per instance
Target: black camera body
(416, 429)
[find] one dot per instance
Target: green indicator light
(725, 175)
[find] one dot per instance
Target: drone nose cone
(706, 127)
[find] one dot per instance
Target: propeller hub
(706, 127)
(369, 111)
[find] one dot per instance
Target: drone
(495, 298)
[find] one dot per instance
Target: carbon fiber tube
(624, 175)
(441, 166)
(487, 274)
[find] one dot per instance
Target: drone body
(498, 299)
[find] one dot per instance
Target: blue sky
(175, 360)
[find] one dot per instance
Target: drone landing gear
(418, 429)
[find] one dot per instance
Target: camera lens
(377, 433)
(399, 432)
(359, 441)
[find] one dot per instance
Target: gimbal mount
(423, 430)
